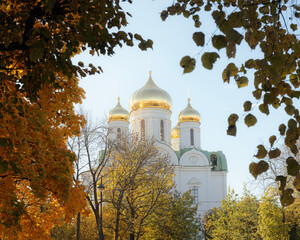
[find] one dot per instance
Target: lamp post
(101, 188)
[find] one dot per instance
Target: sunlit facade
(202, 173)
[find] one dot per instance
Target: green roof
(222, 162)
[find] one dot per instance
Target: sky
(127, 70)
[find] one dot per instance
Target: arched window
(143, 129)
(192, 137)
(118, 132)
(214, 160)
(162, 130)
(194, 193)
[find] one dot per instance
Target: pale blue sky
(128, 70)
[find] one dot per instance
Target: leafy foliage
(38, 90)
(235, 219)
(138, 180)
(38, 39)
(278, 172)
(269, 27)
(248, 218)
(175, 219)
(271, 224)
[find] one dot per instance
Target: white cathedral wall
(114, 125)
(152, 117)
(194, 170)
(184, 130)
(187, 177)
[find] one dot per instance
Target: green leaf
(292, 124)
(247, 106)
(258, 168)
(274, 153)
(230, 71)
(282, 180)
(250, 63)
(234, 36)
(199, 38)
(250, 120)
(286, 197)
(208, 59)
(294, 26)
(292, 166)
(231, 130)
(163, 15)
(261, 153)
(297, 182)
(272, 139)
(197, 24)
(188, 64)
(207, 7)
(138, 37)
(219, 41)
(242, 82)
(264, 108)
(257, 93)
(282, 129)
(232, 119)
(289, 109)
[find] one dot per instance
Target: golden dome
(175, 131)
(150, 96)
(118, 113)
(189, 114)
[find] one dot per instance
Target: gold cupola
(118, 113)
(175, 131)
(189, 114)
(150, 96)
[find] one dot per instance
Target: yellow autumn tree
(38, 90)
(138, 180)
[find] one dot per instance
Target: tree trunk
(131, 236)
(78, 227)
(117, 225)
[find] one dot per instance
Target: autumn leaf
(274, 153)
(250, 120)
(247, 106)
(292, 166)
(262, 152)
(188, 64)
(242, 82)
(258, 168)
(219, 41)
(272, 139)
(208, 59)
(199, 38)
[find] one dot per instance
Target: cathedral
(202, 173)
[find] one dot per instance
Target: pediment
(194, 181)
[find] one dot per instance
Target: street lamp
(101, 189)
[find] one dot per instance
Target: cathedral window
(162, 130)
(214, 160)
(143, 129)
(192, 137)
(118, 132)
(194, 193)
